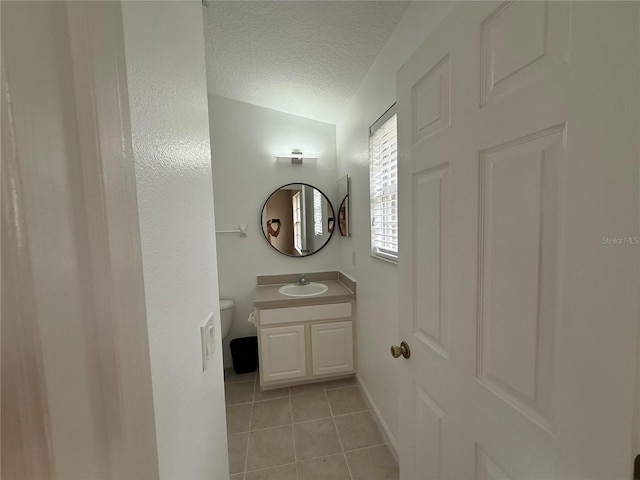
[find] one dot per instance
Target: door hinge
(636, 468)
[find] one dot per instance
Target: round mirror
(297, 220)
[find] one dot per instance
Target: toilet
(226, 316)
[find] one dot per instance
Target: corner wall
(164, 46)
(377, 280)
(244, 141)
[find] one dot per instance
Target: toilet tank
(226, 316)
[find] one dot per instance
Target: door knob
(403, 350)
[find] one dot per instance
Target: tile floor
(321, 431)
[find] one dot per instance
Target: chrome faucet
(302, 280)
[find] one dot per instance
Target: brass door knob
(403, 350)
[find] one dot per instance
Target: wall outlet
(207, 340)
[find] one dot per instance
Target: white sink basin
(309, 290)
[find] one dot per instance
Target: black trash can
(244, 352)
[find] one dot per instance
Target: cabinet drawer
(303, 314)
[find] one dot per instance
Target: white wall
(377, 280)
(244, 141)
(164, 47)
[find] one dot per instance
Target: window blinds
(383, 189)
(317, 213)
(297, 222)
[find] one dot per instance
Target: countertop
(268, 296)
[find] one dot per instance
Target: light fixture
(295, 156)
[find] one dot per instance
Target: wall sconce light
(296, 157)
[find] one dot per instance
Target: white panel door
(282, 353)
(519, 185)
(332, 348)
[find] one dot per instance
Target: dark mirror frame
(267, 227)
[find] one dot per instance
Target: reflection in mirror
(343, 217)
(297, 220)
(344, 213)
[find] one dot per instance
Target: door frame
(108, 175)
(26, 438)
(117, 324)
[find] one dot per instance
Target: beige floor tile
(307, 389)
(271, 413)
(237, 445)
(269, 448)
(230, 376)
(316, 439)
(310, 407)
(346, 400)
(238, 393)
(375, 463)
(270, 394)
(343, 382)
(269, 431)
(326, 468)
(284, 472)
(358, 430)
(238, 418)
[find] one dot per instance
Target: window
(317, 213)
(297, 222)
(383, 186)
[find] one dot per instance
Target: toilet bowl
(226, 316)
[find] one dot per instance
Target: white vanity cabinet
(303, 344)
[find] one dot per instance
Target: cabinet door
(332, 348)
(282, 353)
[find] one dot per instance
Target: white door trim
(108, 176)
(26, 438)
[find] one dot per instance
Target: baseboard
(377, 417)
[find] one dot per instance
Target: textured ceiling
(305, 58)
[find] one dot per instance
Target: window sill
(385, 259)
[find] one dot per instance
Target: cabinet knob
(403, 350)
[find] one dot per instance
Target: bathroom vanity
(305, 337)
